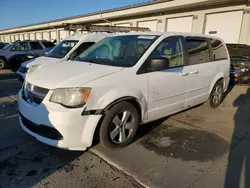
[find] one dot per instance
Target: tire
(2, 63)
(216, 96)
(121, 133)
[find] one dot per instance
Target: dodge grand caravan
(119, 83)
(67, 49)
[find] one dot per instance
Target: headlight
(71, 97)
(33, 68)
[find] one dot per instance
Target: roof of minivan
(171, 34)
(88, 36)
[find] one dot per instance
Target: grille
(23, 69)
(41, 130)
(33, 94)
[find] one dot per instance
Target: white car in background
(67, 49)
(119, 83)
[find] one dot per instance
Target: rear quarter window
(219, 51)
(48, 44)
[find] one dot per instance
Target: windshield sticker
(146, 37)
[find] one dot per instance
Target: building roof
(94, 13)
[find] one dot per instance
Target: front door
(167, 88)
(19, 48)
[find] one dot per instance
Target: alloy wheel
(217, 95)
(121, 127)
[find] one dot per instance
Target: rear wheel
(119, 125)
(2, 63)
(216, 95)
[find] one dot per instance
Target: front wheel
(119, 126)
(216, 95)
(2, 63)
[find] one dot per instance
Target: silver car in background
(27, 47)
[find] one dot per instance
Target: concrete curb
(117, 166)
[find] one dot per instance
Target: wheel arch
(129, 99)
(137, 100)
(2, 56)
(219, 77)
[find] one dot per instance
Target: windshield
(8, 46)
(62, 49)
(121, 51)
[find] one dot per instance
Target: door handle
(194, 72)
(183, 74)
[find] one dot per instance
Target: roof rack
(102, 28)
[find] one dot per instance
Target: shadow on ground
(23, 160)
(239, 156)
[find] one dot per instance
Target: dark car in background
(240, 63)
(34, 48)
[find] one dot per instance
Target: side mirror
(158, 64)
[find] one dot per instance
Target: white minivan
(67, 49)
(119, 83)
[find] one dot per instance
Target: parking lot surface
(201, 147)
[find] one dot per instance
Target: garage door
(123, 24)
(21, 37)
(63, 34)
(16, 37)
(183, 24)
(39, 36)
(152, 25)
(53, 35)
(46, 36)
(225, 25)
(32, 36)
(7, 38)
(12, 38)
(26, 36)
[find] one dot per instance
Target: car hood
(39, 61)
(69, 74)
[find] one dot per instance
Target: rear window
(219, 51)
(198, 50)
(48, 44)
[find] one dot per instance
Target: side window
(82, 48)
(198, 51)
(48, 44)
(20, 46)
(35, 46)
(219, 50)
(172, 49)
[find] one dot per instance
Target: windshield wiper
(96, 62)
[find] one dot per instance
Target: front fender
(120, 93)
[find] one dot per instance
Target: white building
(229, 19)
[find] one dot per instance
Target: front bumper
(76, 130)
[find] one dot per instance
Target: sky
(23, 12)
